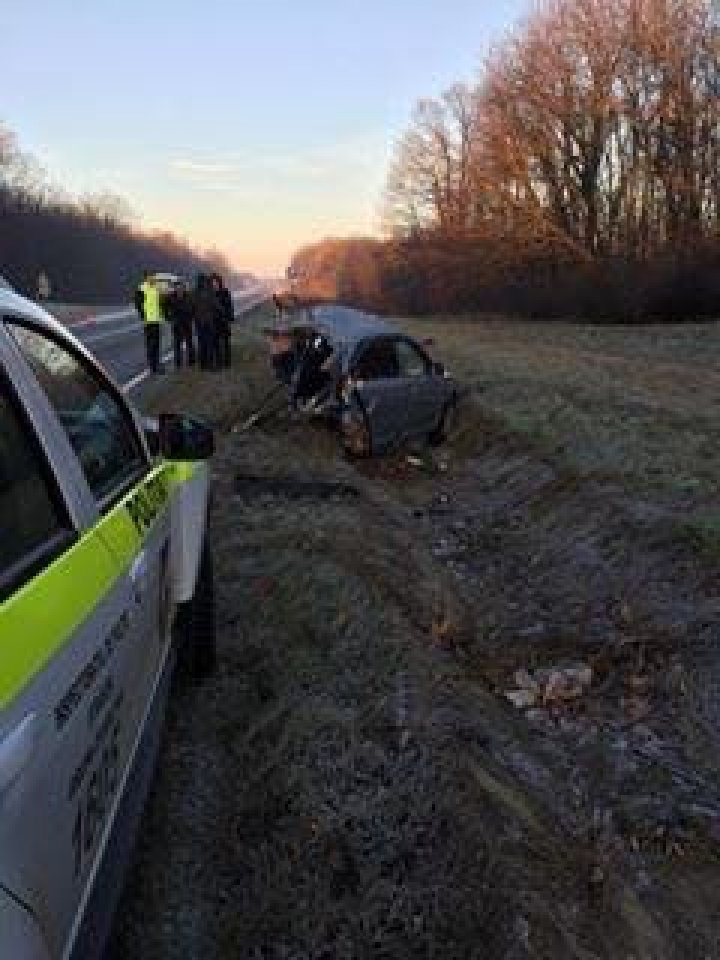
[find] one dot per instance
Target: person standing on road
(151, 314)
(139, 297)
(226, 318)
(207, 319)
(179, 313)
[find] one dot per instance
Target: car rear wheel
(195, 624)
(448, 421)
(355, 429)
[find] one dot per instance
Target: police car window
(411, 361)
(32, 519)
(98, 427)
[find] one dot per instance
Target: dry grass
(641, 404)
(351, 784)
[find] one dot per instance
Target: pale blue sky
(253, 126)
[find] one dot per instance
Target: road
(116, 339)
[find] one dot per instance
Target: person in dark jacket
(179, 312)
(227, 316)
(139, 296)
(208, 316)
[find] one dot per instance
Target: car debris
(549, 687)
(522, 699)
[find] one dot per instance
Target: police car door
(72, 712)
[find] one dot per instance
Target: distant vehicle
(167, 282)
(375, 384)
(105, 580)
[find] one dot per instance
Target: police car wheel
(195, 624)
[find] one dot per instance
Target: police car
(105, 584)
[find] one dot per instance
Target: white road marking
(144, 374)
(123, 331)
(103, 318)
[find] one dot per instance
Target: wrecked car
(374, 383)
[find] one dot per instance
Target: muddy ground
(353, 782)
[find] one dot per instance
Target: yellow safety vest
(153, 313)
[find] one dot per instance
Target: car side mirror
(438, 369)
(182, 437)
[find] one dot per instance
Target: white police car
(105, 580)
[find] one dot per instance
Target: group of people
(201, 316)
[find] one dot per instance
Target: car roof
(345, 326)
(168, 277)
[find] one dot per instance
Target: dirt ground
(354, 783)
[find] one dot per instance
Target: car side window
(33, 520)
(411, 361)
(377, 361)
(98, 425)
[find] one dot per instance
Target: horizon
(273, 131)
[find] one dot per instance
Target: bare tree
(88, 248)
(430, 179)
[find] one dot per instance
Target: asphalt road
(117, 339)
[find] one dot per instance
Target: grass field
(639, 404)
(354, 783)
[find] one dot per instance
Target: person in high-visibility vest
(151, 314)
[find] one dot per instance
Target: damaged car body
(374, 383)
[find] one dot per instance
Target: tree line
(579, 176)
(89, 247)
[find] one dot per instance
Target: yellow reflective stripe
(141, 507)
(184, 470)
(42, 616)
(37, 620)
(136, 513)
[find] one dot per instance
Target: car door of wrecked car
(424, 399)
(374, 371)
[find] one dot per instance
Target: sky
(254, 126)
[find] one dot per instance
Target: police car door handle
(138, 576)
(17, 749)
